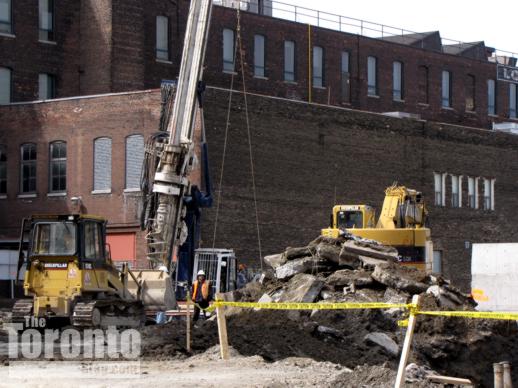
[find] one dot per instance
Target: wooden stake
(405, 353)
(188, 320)
(222, 329)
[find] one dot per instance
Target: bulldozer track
(21, 310)
(108, 312)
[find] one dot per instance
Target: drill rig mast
(165, 223)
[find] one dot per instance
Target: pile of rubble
(349, 268)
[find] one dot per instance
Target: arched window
(103, 164)
(134, 159)
(58, 167)
(28, 168)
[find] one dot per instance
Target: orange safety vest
(204, 289)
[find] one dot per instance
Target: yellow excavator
(401, 224)
(70, 275)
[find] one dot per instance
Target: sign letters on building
(507, 73)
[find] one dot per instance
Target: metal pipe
(498, 371)
(507, 378)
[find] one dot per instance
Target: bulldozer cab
(68, 237)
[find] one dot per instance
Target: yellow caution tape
(355, 306)
(473, 314)
(311, 306)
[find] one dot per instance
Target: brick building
(307, 158)
(78, 155)
(91, 46)
(82, 153)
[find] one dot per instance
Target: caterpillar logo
(56, 265)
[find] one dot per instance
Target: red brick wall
(27, 57)
(307, 157)
(96, 47)
(110, 47)
(78, 122)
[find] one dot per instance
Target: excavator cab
(346, 217)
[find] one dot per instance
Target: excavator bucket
(156, 289)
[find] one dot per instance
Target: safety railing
(295, 13)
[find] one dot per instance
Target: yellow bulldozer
(401, 224)
(70, 275)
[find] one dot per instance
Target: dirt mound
(350, 270)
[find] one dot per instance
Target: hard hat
(201, 272)
(241, 266)
(163, 268)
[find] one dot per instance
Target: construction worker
(200, 294)
(241, 276)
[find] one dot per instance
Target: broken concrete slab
(302, 265)
(336, 254)
(369, 262)
(329, 252)
(345, 277)
(384, 341)
(297, 252)
(370, 250)
(330, 331)
(444, 298)
(275, 261)
(302, 288)
(264, 299)
(393, 296)
(401, 278)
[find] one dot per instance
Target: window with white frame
(513, 101)
(6, 24)
(456, 190)
(5, 85)
(228, 50)
(58, 167)
(397, 81)
(489, 194)
(28, 168)
(3, 170)
(162, 38)
(439, 184)
(289, 61)
(259, 53)
(345, 77)
(318, 67)
(47, 87)
(473, 192)
(372, 75)
(46, 20)
(491, 97)
(446, 89)
(134, 160)
(102, 164)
